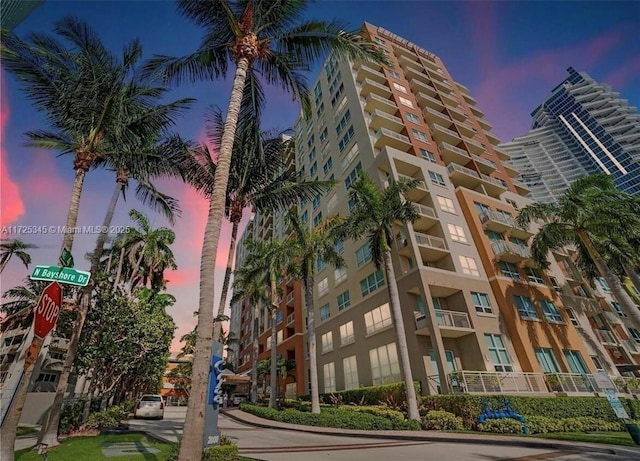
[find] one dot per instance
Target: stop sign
(47, 309)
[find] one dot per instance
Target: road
(284, 445)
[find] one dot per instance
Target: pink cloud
(12, 204)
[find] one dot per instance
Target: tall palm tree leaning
(250, 284)
(15, 247)
(374, 215)
(311, 245)
(259, 178)
(590, 210)
(80, 90)
(254, 36)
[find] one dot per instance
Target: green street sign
(66, 259)
(61, 274)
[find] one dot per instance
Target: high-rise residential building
(479, 315)
(583, 127)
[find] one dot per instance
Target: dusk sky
(509, 54)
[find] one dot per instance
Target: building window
(323, 286)
(498, 352)
(379, 41)
(618, 308)
(469, 266)
(315, 202)
(331, 204)
(419, 135)
(412, 117)
(428, 156)
(457, 233)
(338, 246)
(385, 367)
(346, 333)
(327, 165)
(371, 283)
(550, 310)
(525, 307)
(436, 178)
(343, 300)
(597, 363)
(335, 97)
(534, 275)
(327, 342)
(350, 368)
(343, 122)
(509, 270)
(446, 204)
(317, 218)
(346, 138)
(353, 175)
(481, 302)
(352, 154)
(325, 312)
(572, 317)
(340, 274)
(320, 110)
(324, 134)
(304, 217)
(377, 318)
(320, 264)
(47, 378)
(576, 364)
(399, 87)
(546, 360)
(329, 377)
(554, 283)
(603, 285)
(405, 102)
(313, 168)
(394, 74)
(312, 154)
(363, 254)
(481, 208)
(635, 334)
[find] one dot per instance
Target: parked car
(236, 399)
(150, 406)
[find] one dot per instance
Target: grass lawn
(614, 438)
(76, 448)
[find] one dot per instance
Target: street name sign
(61, 274)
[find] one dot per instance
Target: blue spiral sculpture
(506, 412)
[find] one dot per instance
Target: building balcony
(493, 186)
(419, 86)
(427, 217)
(463, 89)
(450, 99)
(385, 137)
(463, 176)
(612, 317)
(571, 383)
(290, 298)
(291, 318)
(511, 171)
(370, 86)
(432, 248)
(365, 70)
(412, 72)
(441, 82)
(10, 349)
(484, 124)
(424, 100)
(484, 165)
(470, 99)
(58, 343)
(380, 119)
(458, 113)
(405, 56)
(606, 337)
(502, 155)
(490, 382)
(477, 112)
(416, 193)
(475, 147)
(451, 324)
(497, 222)
(432, 115)
(373, 102)
(452, 154)
(510, 252)
(465, 129)
(442, 134)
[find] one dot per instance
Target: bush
(220, 453)
(108, 418)
(70, 417)
(501, 426)
(442, 421)
(368, 395)
(589, 424)
(543, 424)
(379, 410)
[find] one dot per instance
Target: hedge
(345, 417)
(220, 453)
(371, 395)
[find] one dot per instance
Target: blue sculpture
(506, 412)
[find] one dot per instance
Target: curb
(489, 440)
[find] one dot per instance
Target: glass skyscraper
(583, 127)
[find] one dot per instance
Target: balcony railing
(291, 318)
(452, 319)
(425, 210)
(487, 382)
(502, 247)
(430, 241)
(491, 215)
(391, 134)
(606, 337)
(571, 383)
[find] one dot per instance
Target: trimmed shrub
(107, 418)
(543, 424)
(501, 426)
(371, 395)
(589, 424)
(442, 421)
(220, 453)
(70, 417)
(379, 410)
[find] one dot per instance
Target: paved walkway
(435, 436)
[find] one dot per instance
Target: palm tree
(255, 36)
(250, 284)
(259, 178)
(374, 215)
(311, 245)
(15, 247)
(591, 210)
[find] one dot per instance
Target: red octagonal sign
(47, 309)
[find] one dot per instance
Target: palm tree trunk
(225, 284)
(313, 354)
(12, 418)
(398, 323)
(116, 282)
(191, 443)
(6, 258)
(633, 276)
(274, 344)
(136, 268)
(254, 358)
(49, 432)
(612, 280)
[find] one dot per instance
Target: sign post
(214, 397)
(604, 382)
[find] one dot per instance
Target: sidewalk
(436, 436)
